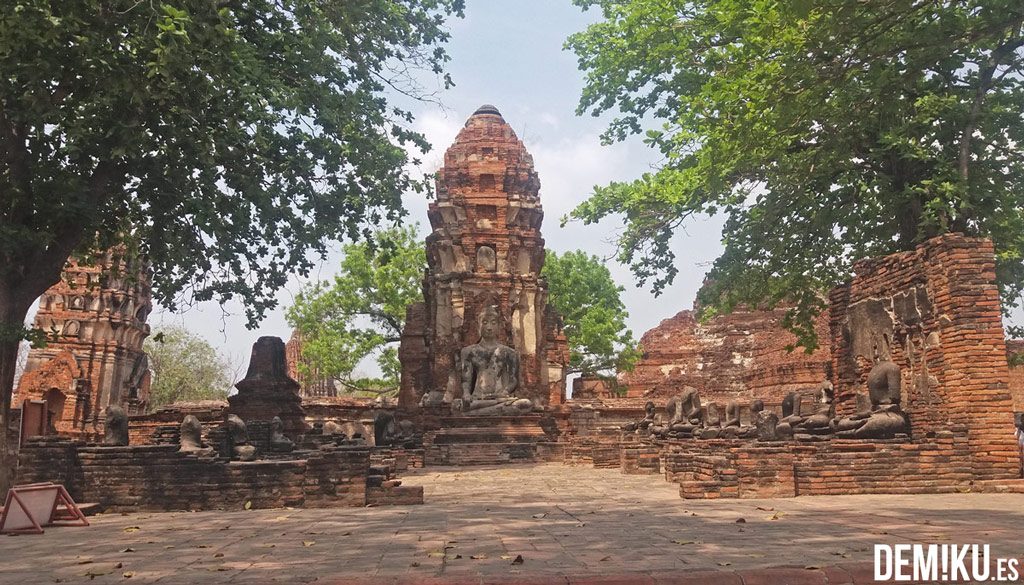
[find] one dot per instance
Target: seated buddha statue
(490, 373)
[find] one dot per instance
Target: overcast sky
(509, 53)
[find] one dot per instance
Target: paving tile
(590, 524)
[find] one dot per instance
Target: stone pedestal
(267, 391)
(490, 440)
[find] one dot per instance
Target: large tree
(824, 131)
(227, 141)
(361, 312)
(584, 293)
(185, 367)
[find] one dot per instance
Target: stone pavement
(568, 525)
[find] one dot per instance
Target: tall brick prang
(485, 249)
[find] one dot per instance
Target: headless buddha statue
(879, 417)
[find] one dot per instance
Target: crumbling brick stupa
(485, 250)
(96, 317)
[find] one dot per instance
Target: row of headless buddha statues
(877, 415)
(234, 439)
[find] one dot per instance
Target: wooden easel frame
(56, 514)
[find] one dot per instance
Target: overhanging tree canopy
(229, 141)
(824, 130)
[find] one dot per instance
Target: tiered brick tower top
(97, 314)
(488, 204)
(485, 249)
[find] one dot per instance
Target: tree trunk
(12, 319)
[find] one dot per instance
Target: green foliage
(228, 140)
(363, 311)
(583, 292)
(1016, 360)
(185, 368)
(824, 130)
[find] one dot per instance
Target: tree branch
(984, 85)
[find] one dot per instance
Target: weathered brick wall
(640, 459)
(936, 310)
(740, 355)
(590, 387)
(143, 428)
(159, 477)
(743, 469)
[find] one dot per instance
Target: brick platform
(490, 440)
(159, 477)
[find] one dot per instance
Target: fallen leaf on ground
(726, 564)
(129, 549)
(607, 558)
(683, 541)
(518, 560)
(308, 542)
(128, 574)
(766, 509)
(776, 516)
(132, 529)
(812, 567)
(248, 505)
(541, 515)
(435, 554)
(741, 520)
(478, 557)
(218, 555)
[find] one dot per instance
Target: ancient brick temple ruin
(740, 355)
(912, 390)
(96, 318)
(917, 363)
(485, 250)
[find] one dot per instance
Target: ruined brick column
(96, 316)
(267, 390)
(485, 249)
(936, 311)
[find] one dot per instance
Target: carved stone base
(488, 440)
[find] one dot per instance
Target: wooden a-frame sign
(30, 507)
